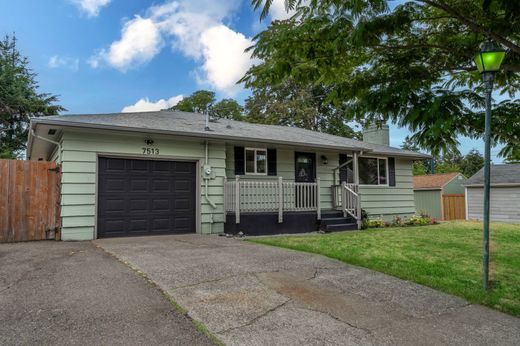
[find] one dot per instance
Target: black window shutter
(271, 162)
(239, 160)
(343, 171)
(391, 171)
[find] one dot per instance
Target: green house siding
(81, 148)
(455, 187)
(285, 169)
(429, 201)
(389, 201)
(79, 165)
(383, 201)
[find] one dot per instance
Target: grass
(447, 257)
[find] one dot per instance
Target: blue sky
(113, 55)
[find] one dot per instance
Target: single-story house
(175, 172)
(440, 195)
(504, 194)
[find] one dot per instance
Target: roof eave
(189, 134)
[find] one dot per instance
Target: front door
(305, 167)
(305, 172)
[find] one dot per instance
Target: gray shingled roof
(192, 124)
(500, 174)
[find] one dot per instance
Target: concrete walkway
(249, 294)
(60, 293)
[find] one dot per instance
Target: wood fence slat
(29, 200)
(454, 207)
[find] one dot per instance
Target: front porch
(257, 207)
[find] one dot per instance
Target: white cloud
(140, 42)
(145, 105)
(91, 7)
(194, 28)
(277, 10)
(225, 60)
(57, 61)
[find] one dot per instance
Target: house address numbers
(150, 151)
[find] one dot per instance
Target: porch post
(356, 182)
(318, 202)
(344, 198)
(356, 168)
(237, 199)
(280, 199)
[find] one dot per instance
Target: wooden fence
(29, 200)
(454, 207)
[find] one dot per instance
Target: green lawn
(447, 257)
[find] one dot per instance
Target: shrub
(377, 223)
(419, 220)
(397, 222)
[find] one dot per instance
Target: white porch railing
(271, 196)
(347, 197)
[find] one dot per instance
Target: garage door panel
(146, 197)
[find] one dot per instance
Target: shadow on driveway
(62, 293)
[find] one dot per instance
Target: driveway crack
(250, 322)
(368, 331)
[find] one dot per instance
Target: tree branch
(474, 26)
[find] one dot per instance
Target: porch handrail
(348, 199)
(241, 195)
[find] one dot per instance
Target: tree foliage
(468, 164)
(19, 99)
(291, 104)
(411, 65)
(204, 101)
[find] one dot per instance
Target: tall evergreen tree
(19, 99)
(411, 64)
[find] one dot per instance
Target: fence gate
(454, 207)
(29, 200)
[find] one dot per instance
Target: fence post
(344, 198)
(237, 199)
(280, 199)
(226, 198)
(318, 199)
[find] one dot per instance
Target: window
(373, 171)
(256, 161)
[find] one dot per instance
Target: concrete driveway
(59, 293)
(249, 294)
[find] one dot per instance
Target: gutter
(33, 134)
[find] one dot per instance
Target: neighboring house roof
(433, 181)
(193, 124)
(500, 175)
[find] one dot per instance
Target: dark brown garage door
(145, 197)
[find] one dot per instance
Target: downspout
(206, 178)
(49, 141)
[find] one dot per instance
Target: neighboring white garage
(505, 194)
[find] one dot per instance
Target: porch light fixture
(488, 62)
(324, 160)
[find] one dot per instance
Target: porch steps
(335, 221)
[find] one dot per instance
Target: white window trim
(245, 161)
(378, 184)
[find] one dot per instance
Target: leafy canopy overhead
(290, 104)
(204, 101)
(411, 65)
(19, 100)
